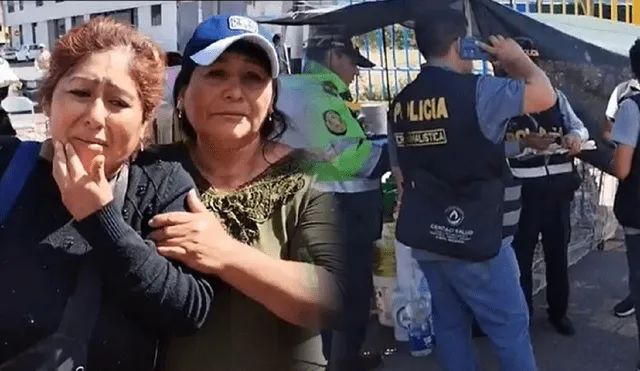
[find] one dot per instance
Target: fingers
(60, 172)
(486, 47)
(195, 205)
(170, 232)
(172, 218)
(97, 169)
(495, 39)
(173, 252)
(74, 165)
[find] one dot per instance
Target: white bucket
(384, 274)
(384, 287)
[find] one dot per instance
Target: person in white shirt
(626, 307)
(42, 61)
(620, 92)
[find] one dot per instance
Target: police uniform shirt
(318, 119)
(571, 124)
(497, 100)
(570, 121)
(625, 131)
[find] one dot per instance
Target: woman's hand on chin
(83, 192)
(196, 239)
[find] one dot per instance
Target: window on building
(20, 5)
(129, 16)
(59, 27)
(156, 15)
(38, 3)
(77, 20)
(21, 37)
(34, 27)
(10, 6)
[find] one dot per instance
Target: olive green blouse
(280, 214)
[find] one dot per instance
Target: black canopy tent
(586, 73)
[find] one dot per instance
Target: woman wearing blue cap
(268, 241)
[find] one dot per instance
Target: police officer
(626, 307)
(621, 92)
(315, 107)
(626, 167)
(548, 186)
(449, 127)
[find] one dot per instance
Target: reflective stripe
(534, 172)
(511, 208)
(511, 218)
(512, 193)
(349, 186)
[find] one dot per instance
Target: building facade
(169, 23)
(43, 22)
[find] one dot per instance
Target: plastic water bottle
(421, 337)
(401, 317)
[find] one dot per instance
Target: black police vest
(453, 176)
(549, 121)
(626, 206)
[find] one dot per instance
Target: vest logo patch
(454, 215)
(334, 123)
(521, 133)
(421, 138)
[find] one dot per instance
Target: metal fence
(397, 61)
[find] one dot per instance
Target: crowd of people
(233, 246)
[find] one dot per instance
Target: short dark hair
(438, 29)
(276, 38)
(634, 58)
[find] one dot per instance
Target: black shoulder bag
(66, 349)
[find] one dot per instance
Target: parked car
(28, 52)
(30, 83)
(8, 53)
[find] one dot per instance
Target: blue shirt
(627, 124)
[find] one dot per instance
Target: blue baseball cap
(216, 34)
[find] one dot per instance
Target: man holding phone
(449, 127)
(548, 186)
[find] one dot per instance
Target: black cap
(331, 37)
(528, 46)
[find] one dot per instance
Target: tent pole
(466, 8)
(386, 63)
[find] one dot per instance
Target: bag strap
(82, 309)
(16, 174)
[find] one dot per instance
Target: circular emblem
(454, 215)
(333, 122)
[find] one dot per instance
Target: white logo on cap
(243, 24)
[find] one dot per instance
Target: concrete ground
(602, 343)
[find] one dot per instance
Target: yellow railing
(616, 10)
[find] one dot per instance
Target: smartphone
(469, 50)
